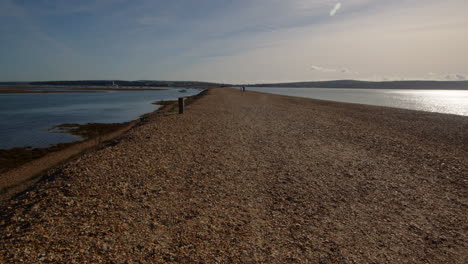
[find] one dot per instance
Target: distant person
(243, 88)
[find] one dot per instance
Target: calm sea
(440, 101)
(26, 118)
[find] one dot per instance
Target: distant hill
(439, 85)
(14, 83)
(120, 83)
(433, 85)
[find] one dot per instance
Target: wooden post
(181, 105)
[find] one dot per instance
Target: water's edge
(24, 175)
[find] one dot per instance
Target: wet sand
(255, 178)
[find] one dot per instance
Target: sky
(233, 41)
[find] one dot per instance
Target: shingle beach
(255, 178)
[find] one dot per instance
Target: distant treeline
(442, 85)
(130, 83)
(14, 83)
(434, 85)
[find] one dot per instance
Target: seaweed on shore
(15, 157)
(89, 130)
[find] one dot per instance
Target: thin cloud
(346, 70)
(456, 77)
(335, 9)
(447, 76)
(323, 69)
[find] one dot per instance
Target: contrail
(335, 9)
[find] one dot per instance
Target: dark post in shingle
(181, 105)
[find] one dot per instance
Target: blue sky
(235, 41)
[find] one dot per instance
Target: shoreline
(255, 177)
(18, 179)
(28, 165)
(15, 157)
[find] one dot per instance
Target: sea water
(440, 101)
(25, 119)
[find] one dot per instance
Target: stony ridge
(255, 178)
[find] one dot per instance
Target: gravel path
(256, 178)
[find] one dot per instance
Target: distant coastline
(68, 89)
(118, 83)
(413, 84)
